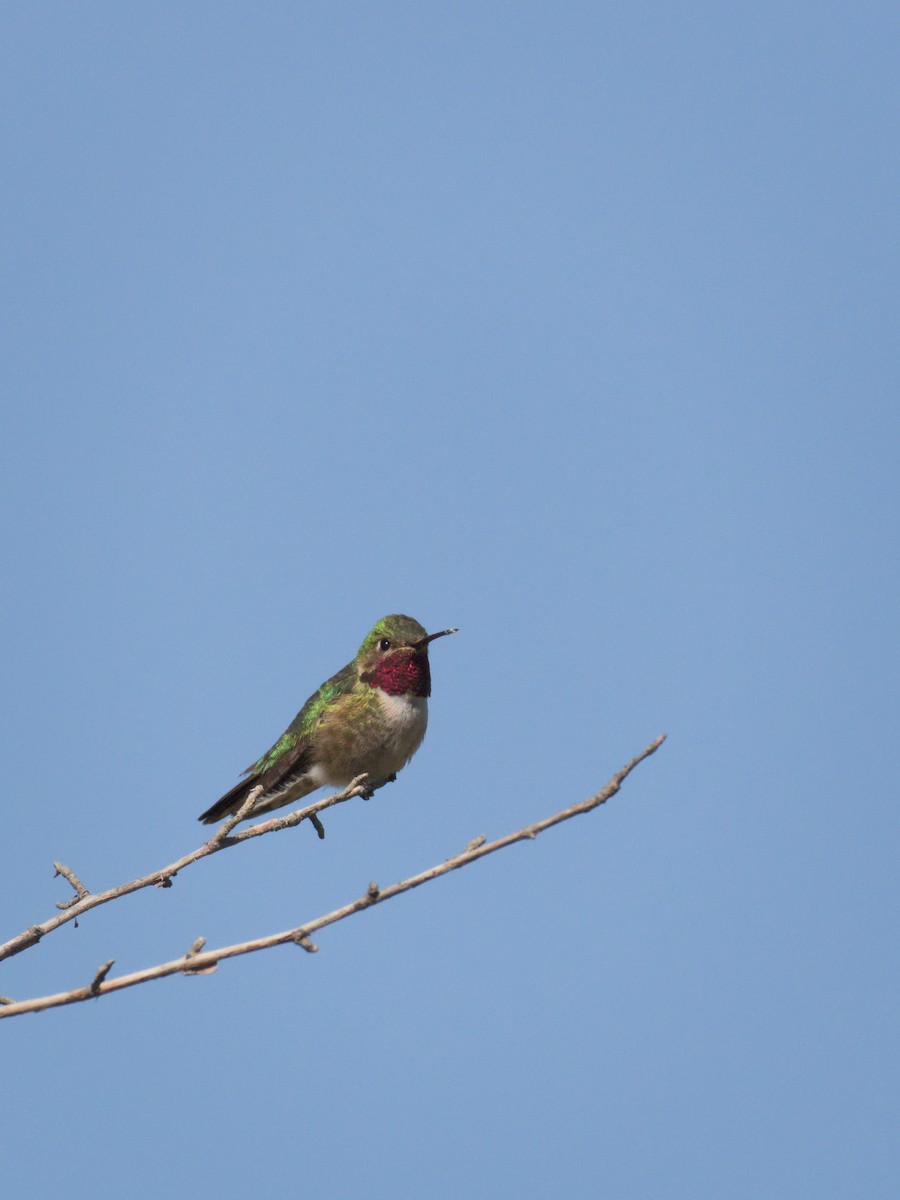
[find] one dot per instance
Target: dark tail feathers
(230, 802)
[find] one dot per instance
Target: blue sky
(571, 325)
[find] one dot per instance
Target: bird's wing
(292, 753)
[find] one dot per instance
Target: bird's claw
(368, 790)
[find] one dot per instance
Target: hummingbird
(369, 717)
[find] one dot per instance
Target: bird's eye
(384, 644)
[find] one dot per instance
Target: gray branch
(83, 900)
(199, 961)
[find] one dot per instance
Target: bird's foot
(369, 789)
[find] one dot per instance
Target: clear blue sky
(573, 325)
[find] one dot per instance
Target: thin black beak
(422, 642)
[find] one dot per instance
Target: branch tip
(102, 973)
(69, 875)
(204, 969)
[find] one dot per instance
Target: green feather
(396, 628)
(319, 702)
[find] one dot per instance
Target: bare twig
(80, 890)
(196, 946)
(229, 823)
(198, 961)
(222, 839)
(101, 974)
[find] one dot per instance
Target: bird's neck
(405, 672)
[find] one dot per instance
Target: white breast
(407, 719)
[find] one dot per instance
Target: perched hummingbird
(370, 717)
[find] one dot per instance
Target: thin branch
(222, 839)
(80, 890)
(100, 974)
(200, 961)
(235, 819)
(196, 946)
